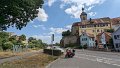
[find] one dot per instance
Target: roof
(110, 34)
(96, 21)
(115, 21)
(88, 34)
(116, 30)
(83, 13)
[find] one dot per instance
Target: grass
(36, 61)
(7, 54)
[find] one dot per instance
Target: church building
(91, 26)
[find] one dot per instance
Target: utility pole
(52, 39)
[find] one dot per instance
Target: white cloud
(92, 13)
(50, 2)
(47, 38)
(76, 5)
(68, 26)
(39, 26)
(57, 30)
(42, 16)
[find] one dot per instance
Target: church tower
(83, 16)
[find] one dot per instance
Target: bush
(7, 45)
(55, 52)
(85, 46)
(72, 45)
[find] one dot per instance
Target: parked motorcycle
(69, 54)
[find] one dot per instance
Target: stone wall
(69, 40)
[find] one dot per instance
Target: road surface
(88, 59)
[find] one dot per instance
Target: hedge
(55, 52)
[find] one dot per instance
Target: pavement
(88, 59)
(27, 54)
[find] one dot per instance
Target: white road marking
(98, 59)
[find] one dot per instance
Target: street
(89, 59)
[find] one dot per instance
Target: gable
(118, 30)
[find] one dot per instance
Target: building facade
(87, 39)
(94, 26)
(103, 39)
(116, 39)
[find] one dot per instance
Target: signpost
(52, 39)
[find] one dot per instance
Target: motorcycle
(69, 54)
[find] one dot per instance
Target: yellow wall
(90, 29)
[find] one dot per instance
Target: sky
(57, 16)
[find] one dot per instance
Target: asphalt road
(88, 59)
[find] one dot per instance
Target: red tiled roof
(101, 20)
(115, 20)
(96, 21)
(105, 33)
(90, 35)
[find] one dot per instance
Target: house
(103, 39)
(115, 23)
(116, 39)
(87, 39)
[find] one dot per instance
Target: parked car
(58, 48)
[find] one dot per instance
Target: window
(98, 30)
(98, 25)
(115, 37)
(83, 18)
(118, 36)
(86, 39)
(106, 24)
(117, 45)
(103, 24)
(94, 25)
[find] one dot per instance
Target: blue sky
(58, 15)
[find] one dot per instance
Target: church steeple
(83, 15)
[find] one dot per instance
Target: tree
(30, 39)
(22, 37)
(34, 43)
(7, 45)
(66, 33)
(109, 30)
(18, 12)
(3, 39)
(13, 39)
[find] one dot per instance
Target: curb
(48, 66)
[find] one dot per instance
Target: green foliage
(66, 33)
(18, 12)
(13, 40)
(55, 52)
(30, 39)
(3, 38)
(85, 46)
(34, 43)
(109, 30)
(72, 45)
(22, 37)
(57, 44)
(7, 45)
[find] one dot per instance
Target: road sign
(52, 37)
